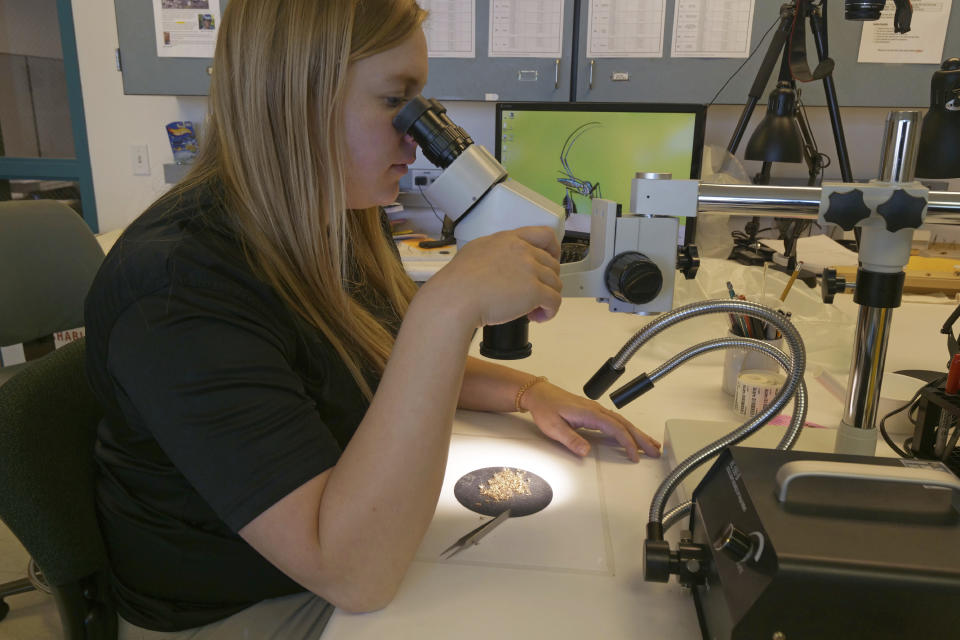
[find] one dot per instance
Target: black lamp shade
(777, 138)
(939, 152)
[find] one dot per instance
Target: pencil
(793, 278)
(736, 318)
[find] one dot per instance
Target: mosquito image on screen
(571, 182)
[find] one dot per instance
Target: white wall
(115, 122)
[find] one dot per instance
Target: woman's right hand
(503, 276)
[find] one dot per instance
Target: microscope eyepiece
(440, 139)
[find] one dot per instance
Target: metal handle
(591, 74)
(556, 73)
(856, 471)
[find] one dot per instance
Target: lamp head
(939, 152)
(777, 138)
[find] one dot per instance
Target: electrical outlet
(139, 160)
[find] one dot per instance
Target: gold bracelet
(524, 388)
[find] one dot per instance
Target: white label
(61, 338)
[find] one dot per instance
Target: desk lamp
(777, 138)
(939, 153)
(784, 135)
(788, 46)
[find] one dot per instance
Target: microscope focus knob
(902, 211)
(739, 546)
(633, 277)
(831, 284)
(688, 261)
(847, 209)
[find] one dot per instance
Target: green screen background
(531, 142)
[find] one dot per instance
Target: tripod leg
(771, 58)
(818, 26)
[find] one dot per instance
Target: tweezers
(473, 537)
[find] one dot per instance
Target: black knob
(738, 545)
(831, 284)
(633, 277)
(902, 211)
(688, 261)
(846, 209)
(657, 560)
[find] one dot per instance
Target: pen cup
(737, 360)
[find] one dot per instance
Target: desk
(474, 596)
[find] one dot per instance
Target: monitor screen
(570, 152)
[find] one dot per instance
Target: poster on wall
(526, 29)
(923, 44)
(631, 29)
(712, 28)
(186, 28)
(450, 28)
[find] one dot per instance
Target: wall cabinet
(574, 75)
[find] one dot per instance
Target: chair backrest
(48, 423)
(48, 258)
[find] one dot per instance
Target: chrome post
(897, 165)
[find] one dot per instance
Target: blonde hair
(274, 146)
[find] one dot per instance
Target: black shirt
(219, 401)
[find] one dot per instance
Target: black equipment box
(840, 558)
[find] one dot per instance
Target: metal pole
(866, 368)
(857, 432)
(900, 141)
(943, 207)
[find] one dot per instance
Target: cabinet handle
(556, 73)
(591, 74)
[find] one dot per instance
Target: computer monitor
(570, 152)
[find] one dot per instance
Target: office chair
(48, 258)
(48, 424)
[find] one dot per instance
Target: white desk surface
(575, 569)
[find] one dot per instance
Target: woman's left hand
(559, 413)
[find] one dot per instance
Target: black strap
(799, 68)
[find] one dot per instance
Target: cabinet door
(661, 78)
(145, 73)
(697, 80)
(506, 78)
(480, 78)
(43, 136)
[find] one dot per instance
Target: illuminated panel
(569, 534)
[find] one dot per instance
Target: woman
(258, 348)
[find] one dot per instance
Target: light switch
(139, 160)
